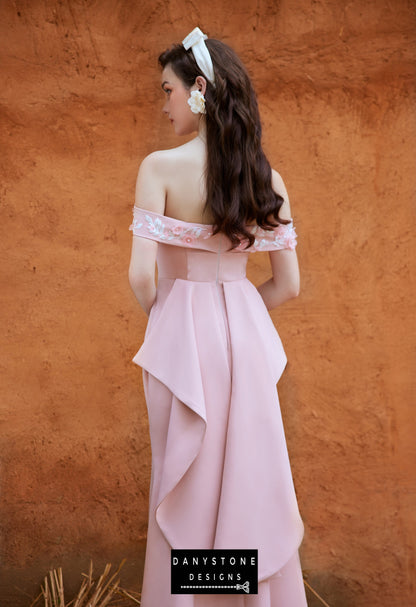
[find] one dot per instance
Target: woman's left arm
(285, 281)
(284, 284)
(150, 194)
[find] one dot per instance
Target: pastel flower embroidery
(155, 226)
(282, 236)
(280, 231)
(188, 238)
(290, 239)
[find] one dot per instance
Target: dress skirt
(285, 588)
(221, 476)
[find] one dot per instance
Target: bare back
(179, 183)
(183, 172)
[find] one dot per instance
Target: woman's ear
(200, 84)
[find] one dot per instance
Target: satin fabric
(221, 475)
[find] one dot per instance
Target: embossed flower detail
(290, 240)
(197, 102)
(281, 230)
(188, 238)
(169, 231)
(285, 236)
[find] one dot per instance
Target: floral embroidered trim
(282, 237)
(157, 227)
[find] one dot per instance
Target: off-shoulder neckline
(194, 223)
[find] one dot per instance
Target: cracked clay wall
(80, 107)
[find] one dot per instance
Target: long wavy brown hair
(238, 175)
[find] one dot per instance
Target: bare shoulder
(156, 173)
(170, 155)
(163, 162)
(153, 161)
(151, 183)
(280, 188)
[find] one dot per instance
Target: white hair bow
(195, 41)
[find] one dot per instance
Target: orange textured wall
(80, 107)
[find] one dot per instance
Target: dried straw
(315, 593)
(102, 593)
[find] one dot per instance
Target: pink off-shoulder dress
(211, 358)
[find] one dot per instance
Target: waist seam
(211, 280)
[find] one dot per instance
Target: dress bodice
(200, 255)
(198, 265)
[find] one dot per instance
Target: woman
(211, 356)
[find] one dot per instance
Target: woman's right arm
(150, 194)
(285, 281)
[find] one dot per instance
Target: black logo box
(214, 571)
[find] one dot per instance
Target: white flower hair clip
(197, 102)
